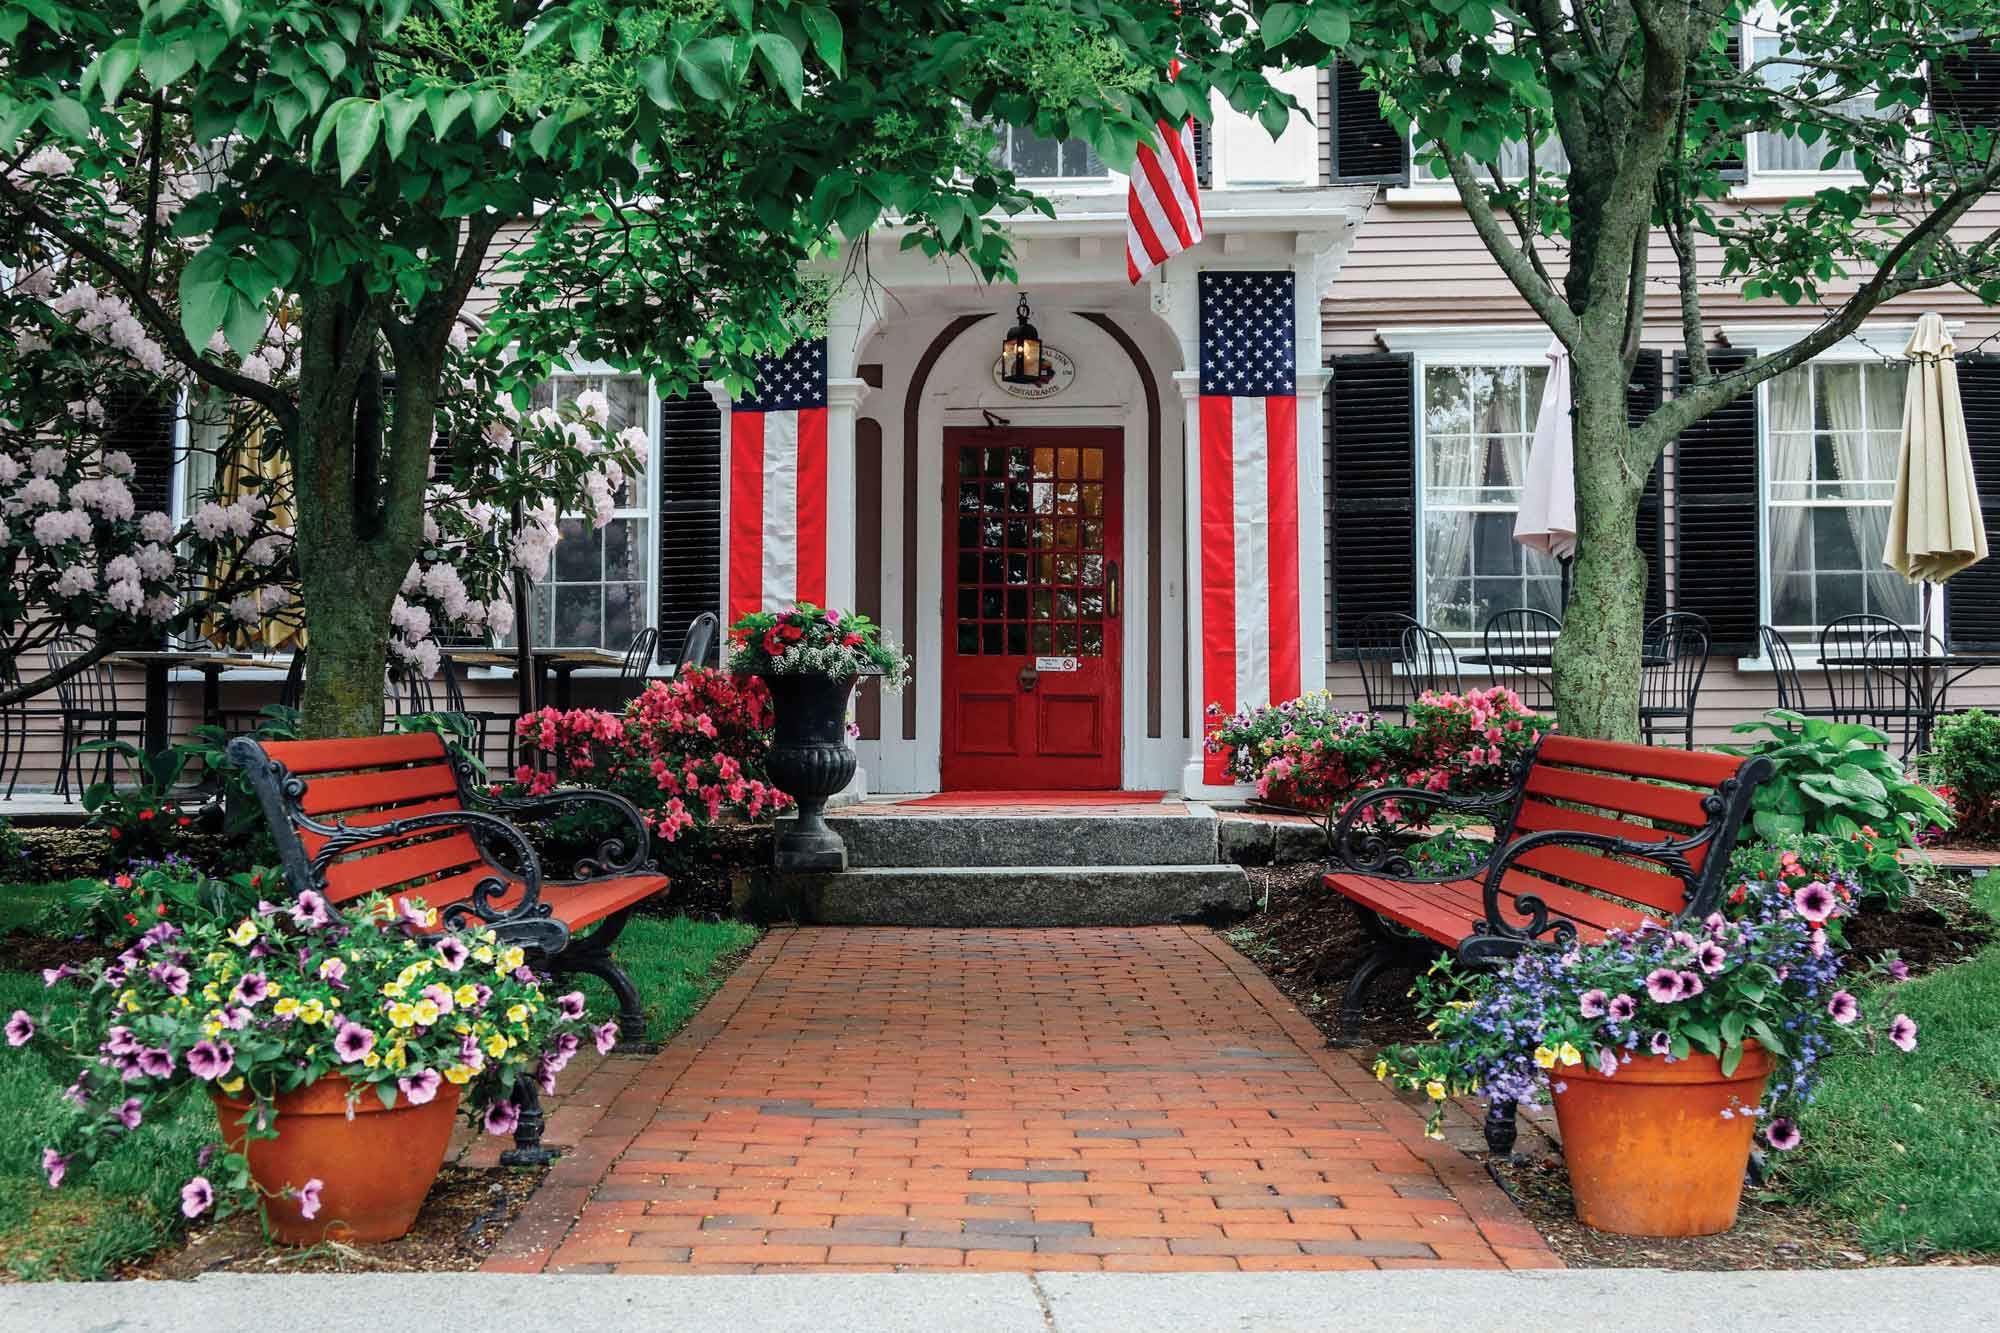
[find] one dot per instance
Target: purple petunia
(606, 1035)
(440, 996)
(251, 989)
(1607, 1061)
(235, 1017)
(1592, 1003)
(55, 1164)
(210, 1060)
(1843, 1008)
(309, 1197)
(1899, 970)
(51, 975)
(1690, 985)
(175, 979)
(130, 1113)
(120, 1041)
(20, 1028)
(196, 1196)
(570, 1005)
(545, 1077)
(1903, 1032)
(1712, 957)
(502, 1117)
(1662, 1043)
(1782, 1134)
(420, 1086)
(1815, 902)
(452, 953)
(1663, 984)
(353, 1042)
(156, 1062)
(1622, 1008)
(309, 911)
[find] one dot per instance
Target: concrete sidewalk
(1879, 1300)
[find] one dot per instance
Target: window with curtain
(1783, 150)
(1832, 432)
(1032, 157)
(1475, 428)
(596, 592)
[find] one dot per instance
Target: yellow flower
(232, 1086)
(246, 931)
(426, 1012)
(465, 995)
(1435, 1089)
(286, 1007)
(1545, 1057)
(1381, 1069)
(371, 1060)
(397, 1057)
(496, 1046)
(312, 1011)
(211, 1029)
(394, 990)
(513, 958)
(210, 993)
(460, 1073)
(483, 954)
(1570, 1055)
(517, 1013)
(403, 1015)
(1433, 1132)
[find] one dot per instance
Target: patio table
(1541, 661)
(562, 663)
(157, 733)
(1932, 676)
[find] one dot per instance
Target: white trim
(1872, 341)
(1525, 344)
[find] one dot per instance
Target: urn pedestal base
(810, 760)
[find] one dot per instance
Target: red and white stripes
(1163, 205)
(777, 487)
(1250, 550)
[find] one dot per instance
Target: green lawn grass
(1907, 1147)
(127, 1205)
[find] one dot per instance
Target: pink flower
(1663, 984)
(1843, 1008)
(502, 1117)
(20, 1028)
(1712, 957)
(1815, 902)
(606, 1035)
(208, 1060)
(1903, 1032)
(421, 1086)
(196, 1196)
(56, 1165)
(309, 1198)
(1592, 1003)
(571, 1005)
(1607, 1061)
(1782, 1134)
(1622, 1008)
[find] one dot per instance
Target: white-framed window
(1032, 157)
(1831, 430)
(1475, 425)
(1781, 154)
(599, 590)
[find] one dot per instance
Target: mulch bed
(1309, 941)
(467, 1212)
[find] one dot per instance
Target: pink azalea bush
(689, 752)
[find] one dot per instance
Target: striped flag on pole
(1249, 523)
(777, 485)
(1163, 204)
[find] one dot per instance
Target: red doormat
(949, 798)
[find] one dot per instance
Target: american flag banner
(1249, 477)
(777, 485)
(1163, 203)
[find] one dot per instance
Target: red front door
(1034, 532)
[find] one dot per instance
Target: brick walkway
(1126, 1100)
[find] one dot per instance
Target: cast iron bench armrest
(1503, 937)
(476, 909)
(1365, 852)
(613, 856)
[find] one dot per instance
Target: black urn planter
(810, 760)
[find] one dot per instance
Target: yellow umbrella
(1935, 527)
(247, 469)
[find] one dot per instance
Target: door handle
(1028, 677)
(1111, 599)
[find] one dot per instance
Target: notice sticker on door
(1055, 664)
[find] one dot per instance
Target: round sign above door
(1058, 373)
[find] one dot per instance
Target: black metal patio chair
(1378, 652)
(701, 645)
(92, 710)
(1857, 656)
(1676, 653)
(1792, 693)
(1514, 642)
(1429, 662)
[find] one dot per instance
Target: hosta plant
(286, 995)
(1765, 968)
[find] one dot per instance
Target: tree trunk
(347, 630)
(1597, 658)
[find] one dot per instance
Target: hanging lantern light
(1021, 353)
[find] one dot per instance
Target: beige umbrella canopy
(1935, 527)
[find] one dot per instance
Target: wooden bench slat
(370, 818)
(1703, 768)
(355, 875)
(305, 758)
(1622, 879)
(1540, 817)
(1580, 907)
(366, 791)
(1676, 805)
(576, 906)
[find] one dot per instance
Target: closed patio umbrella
(1547, 518)
(1935, 527)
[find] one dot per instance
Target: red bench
(1590, 835)
(406, 814)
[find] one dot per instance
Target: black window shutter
(1642, 399)
(1371, 492)
(690, 516)
(139, 420)
(1965, 89)
(1734, 167)
(1721, 562)
(1366, 147)
(1972, 597)
(1204, 154)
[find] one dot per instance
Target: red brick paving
(1122, 1100)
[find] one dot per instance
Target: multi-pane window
(1783, 149)
(1032, 157)
(1832, 432)
(595, 595)
(1031, 569)
(1477, 424)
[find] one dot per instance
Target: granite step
(983, 896)
(876, 841)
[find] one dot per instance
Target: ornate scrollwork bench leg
(1394, 948)
(590, 955)
(528, 1149)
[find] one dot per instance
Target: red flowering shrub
(688, 752)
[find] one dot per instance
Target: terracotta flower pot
(376, 1168)
(1650, 1152)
